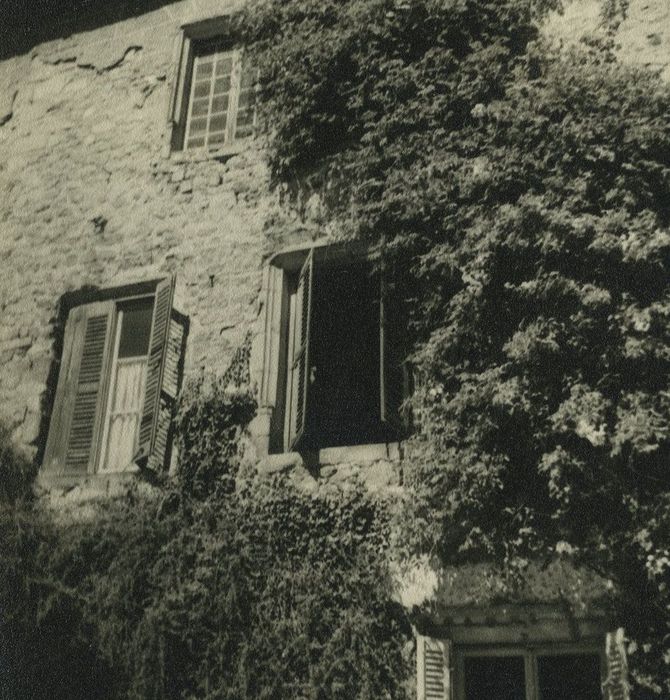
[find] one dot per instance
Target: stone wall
(89, 196)
(640, 29)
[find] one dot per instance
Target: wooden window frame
(530, 654)
(279, 335)
(181, 96)
(56, 468)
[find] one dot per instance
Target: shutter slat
(300, 365)
(616, 685)
(160, 455)
(433, 661)
(157, 349)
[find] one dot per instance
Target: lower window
(530, 675)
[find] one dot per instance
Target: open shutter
(300, 369)
(392, 371)
(155, 366)
(172, 375)
(616, 685)
(433, 666)
(76, 418)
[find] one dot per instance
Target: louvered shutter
(174, 355)
(392, 379)
(300, 369)
(433, 665)
(76, 419)
(616, 685)
(155, 365)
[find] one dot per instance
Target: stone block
(379, 476)
(284, 462)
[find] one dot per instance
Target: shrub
(267, 593)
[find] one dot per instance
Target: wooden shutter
(77, 414)
(172, 374)
(392, 371)
(300, 369)
(155, 365)
(616, 685)
(433, 666)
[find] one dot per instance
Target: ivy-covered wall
(524, 191)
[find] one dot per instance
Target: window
(338, 357)
(214, 97)
(529, 675)
(561, 671)
(117, 381)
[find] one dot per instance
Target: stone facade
(640, 29)
(93, 197)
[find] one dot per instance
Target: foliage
(209, 427)
(17, 472)
(528, 192)
(267, 593)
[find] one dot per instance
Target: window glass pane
(200, 107)
(196, 143)
(499, 677)
(245, 117)
(224, 66)
(247, 80)
(221, 85)
(201, 89)
(569, 676)
(203, 70)
(246, 98)
(198, 125)
(217, 123)
(136, 328)
(217, 138)
(220, 103)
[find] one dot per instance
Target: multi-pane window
(529, 675)
(220, 107)
(558, 671)
(117, 382)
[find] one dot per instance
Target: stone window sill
(329, 456)
(101, 484)
(201, 155)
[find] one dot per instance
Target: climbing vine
(526, 192)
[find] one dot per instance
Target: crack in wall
(9, 112)
(106, 67)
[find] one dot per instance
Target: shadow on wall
(17, 470)
(26, 24)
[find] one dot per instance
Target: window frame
(77, 310)
(186, 43)
(280, 274)
(530, 654)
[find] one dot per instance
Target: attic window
(214, 98)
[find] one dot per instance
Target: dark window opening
(569, 677)
(344, 360)
(135, 327)
(532, 676)
(343, 378)
(500, 677)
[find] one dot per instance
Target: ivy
(525, 191)
(262, 593)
